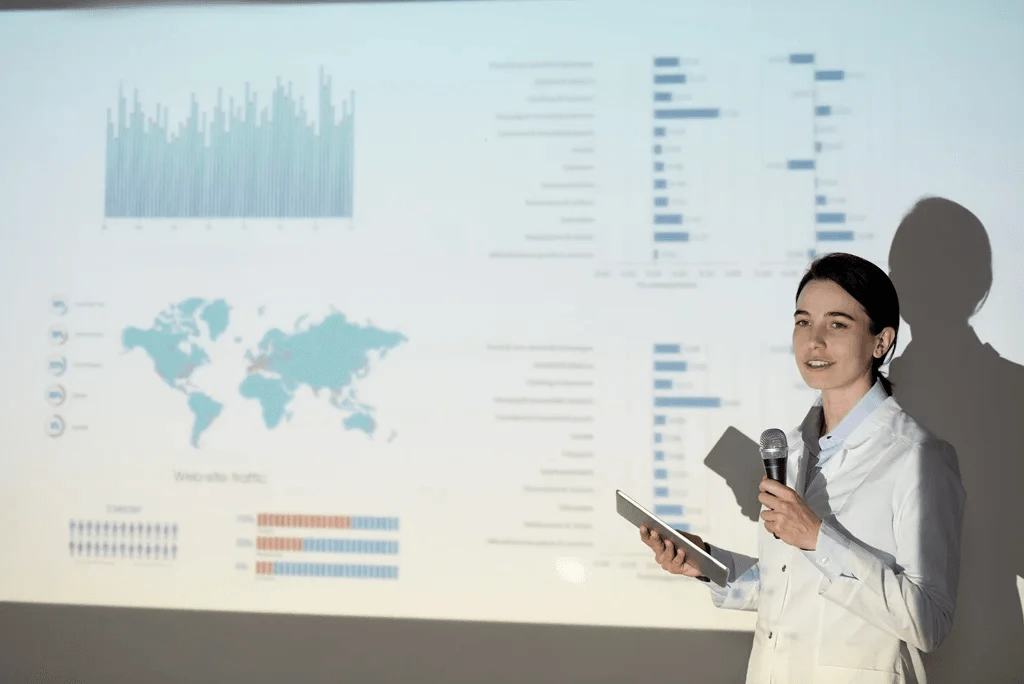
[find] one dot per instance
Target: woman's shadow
(965, 392)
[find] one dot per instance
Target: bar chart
(677, 431)
(239, 160)
(675, 114)
(287, 554)
(815, 162)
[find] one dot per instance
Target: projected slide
(265, 355)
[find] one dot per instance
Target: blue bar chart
(239, 160)
(673, 110)
(673, 401)
(822, 157)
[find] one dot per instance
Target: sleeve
(744, 586)
(914, 596)
(831, 553)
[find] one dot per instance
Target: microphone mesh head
(773, 438)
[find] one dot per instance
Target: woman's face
(832, 339)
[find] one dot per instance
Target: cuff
(831, 554)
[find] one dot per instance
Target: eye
(839, 324)
(801, 323)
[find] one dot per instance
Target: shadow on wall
(965, 392)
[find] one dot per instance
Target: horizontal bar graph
(830, 75)
(801, 58)
(687, 402)
(830, 217)
(331, 570)
(337, 522)
(667, 348)
(302, 544)
(666, 62)
(688, 113)
(834, 235)
(667, 79)
(800, 164)
(238, 160)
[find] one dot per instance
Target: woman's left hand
(788, 517)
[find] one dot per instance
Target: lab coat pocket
(835, 674)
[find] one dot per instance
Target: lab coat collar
(862, 450)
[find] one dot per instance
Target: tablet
(638, 515)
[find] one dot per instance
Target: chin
(819, 380)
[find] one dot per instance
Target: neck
(836, 403)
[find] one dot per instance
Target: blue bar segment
(660, 184)
(830, 75)
(669, 366)
(833, 217)
(338, 570)
(662, 97)
(688, 402)
(660, 474)
(668, 509)
(657, 149)
(801, 58)
(237, 161)
(666, 61)
(659, 420)
(661, 201)
(663, 79)
(657, 438)
(662, 384)
(707, 113)
(386, 547)
(659, 132)
(667, 349)
(661, 491)
(817, 147)
(834, 235)
(668, 219)
(659, 167)
(800, 164)
(820, 200)
(823, 110)
(671, 237)
(659, 455)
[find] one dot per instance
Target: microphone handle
(775, 469)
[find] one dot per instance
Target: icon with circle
(55, 426)
(56, 395)
(57, 365)
(59, 305)
(58, 334)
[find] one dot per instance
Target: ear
(883, 341)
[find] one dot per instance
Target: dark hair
(871, 287)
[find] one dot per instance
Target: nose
(816, 339)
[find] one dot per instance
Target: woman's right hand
(667, 555)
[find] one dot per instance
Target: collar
(824, 446)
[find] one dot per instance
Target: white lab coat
(894, 491)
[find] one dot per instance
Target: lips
(818, 364)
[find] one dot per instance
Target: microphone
(774, 452)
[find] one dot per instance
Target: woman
(862, 578)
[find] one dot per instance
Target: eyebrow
(833, 314)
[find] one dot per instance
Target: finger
(770, 516)
(776, 488)
(667, 554)
(767, 500)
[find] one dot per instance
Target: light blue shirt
(830, 552)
